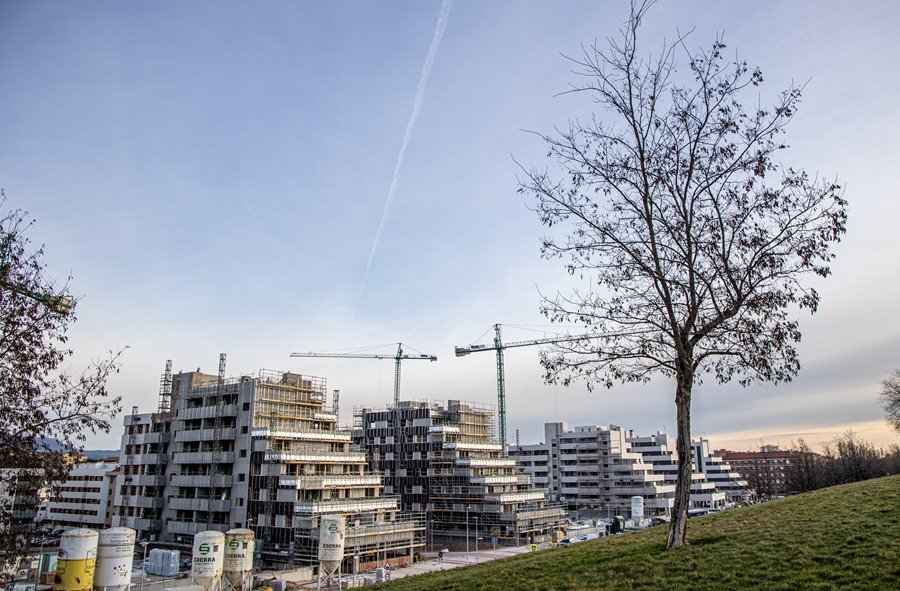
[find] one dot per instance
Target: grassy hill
(844, 537)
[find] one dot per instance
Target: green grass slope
(844, 537)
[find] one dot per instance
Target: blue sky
(213, 175)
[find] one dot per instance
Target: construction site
(443, 459)
(263, 453)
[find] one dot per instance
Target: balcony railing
(227, 433)
(344, 505)
(330, 481)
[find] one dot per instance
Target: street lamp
(476, 538)
(145, 544)
(41, 559)
(467, 533)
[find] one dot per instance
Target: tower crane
(396, 357)
(499, 346)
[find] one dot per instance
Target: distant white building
(659, 451)
(719, 472)
(593, 470)
(86, 498)
(597, 470)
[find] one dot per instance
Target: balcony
(301, 435)
(473, 446)
(196, 504)
(317, 482)
(504, 479)
(345, 505)
(320, 457)
(142, 524)
(208, 412)
(143, 438)
(201, 480)
(549, 511)
(486, 462)
(143, 502)
(517, 497)
(203, 457)
(227, 434)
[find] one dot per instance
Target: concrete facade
(443, 459)
(86, 498)
(596, 470)
(258, 452)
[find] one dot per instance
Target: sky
(266, 178)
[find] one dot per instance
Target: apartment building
(765, 470)
(659, 451)
(720, 473)
(86, 498)
(443, 459)
(597, 470)
(261, 452)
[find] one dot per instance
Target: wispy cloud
(417, 105)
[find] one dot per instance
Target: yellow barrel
(77, 558)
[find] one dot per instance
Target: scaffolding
(444, 459)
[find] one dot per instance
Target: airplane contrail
(417, 104)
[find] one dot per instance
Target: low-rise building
(765, 470)
(86, 497)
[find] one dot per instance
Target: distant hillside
(843, 537)
(91, 454)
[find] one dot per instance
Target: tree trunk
(678, 526)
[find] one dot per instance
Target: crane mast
(499, 346)
(398, 357)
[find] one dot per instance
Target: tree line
(845, 458)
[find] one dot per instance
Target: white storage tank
(238, 559)
(331, 542)
(637, 509)
(115, 555)
(206, 562)
(77, 559)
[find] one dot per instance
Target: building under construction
(443, 459)
(260, 452)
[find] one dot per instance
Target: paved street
(451, 560)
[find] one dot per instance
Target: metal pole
(144, 564)
(41, 559)
(467, 533)
(476, 539)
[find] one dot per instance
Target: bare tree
(46, 411)
(692, 239)
(890, 399)
(804, 473)
(849, 458)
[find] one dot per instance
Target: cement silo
(77, 559)
(331, 545)
(206, 562)
(238, 560)
(115, 555)
(637, 509)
